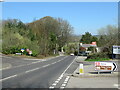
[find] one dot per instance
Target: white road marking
(9, 77)
(65, 82)
(54, 84)
(30, 63)
(32, 70)
(56, 81)
(29, 70)
(61, 76)
(68, 67)
(62, 87)
(51, 87)
(116, 85)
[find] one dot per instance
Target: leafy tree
(88, 38)
(108, 36)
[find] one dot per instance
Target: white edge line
(64, 72)
(68, 66)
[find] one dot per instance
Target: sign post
(22, 50)
(30, 52)
(105, 66)
(115, 51)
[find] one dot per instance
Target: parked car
(72, 54)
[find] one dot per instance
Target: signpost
(105, 66)
(116, 49)
(30, 52)
(22, 50)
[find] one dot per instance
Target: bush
(76, 53)
(11, 50)
(98, 55)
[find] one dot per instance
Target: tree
(108, 37)
(88, 38)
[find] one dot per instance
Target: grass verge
(98, 59)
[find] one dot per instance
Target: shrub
(76, 53)
(98, 55)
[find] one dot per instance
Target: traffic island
(93, 74)
(91, 79)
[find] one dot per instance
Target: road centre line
(32, 70)
(29, 71)
(9, 77)
(26, 64)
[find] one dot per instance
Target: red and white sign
(93, 43)
(30, 52)
(27, 50)
(105, 66)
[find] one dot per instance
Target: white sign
(22, 50)
(116, 49)
(30, 52)
(105, 66)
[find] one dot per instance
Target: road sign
(116, 49)
(22, 49)
(105, 66)
(30, 52)
(27, 50)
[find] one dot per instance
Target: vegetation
(42, 37)
(108, 36)
(88, 38)
(98, 57)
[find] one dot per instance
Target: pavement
(91, 79)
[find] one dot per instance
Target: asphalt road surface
(52, 73)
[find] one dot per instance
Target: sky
(83, 16)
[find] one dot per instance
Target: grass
(98, 59)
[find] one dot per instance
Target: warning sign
(105, 66)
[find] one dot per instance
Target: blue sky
(83, 16)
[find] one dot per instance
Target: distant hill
(97, 36)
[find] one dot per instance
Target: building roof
(87, 45)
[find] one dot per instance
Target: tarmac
(91, 79)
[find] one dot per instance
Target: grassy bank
(98, 59)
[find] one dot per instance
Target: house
(86, 46)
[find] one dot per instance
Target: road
(51, 73)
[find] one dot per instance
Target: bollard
(81, 70)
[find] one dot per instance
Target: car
(72, 54)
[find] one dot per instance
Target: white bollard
(81, 70)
